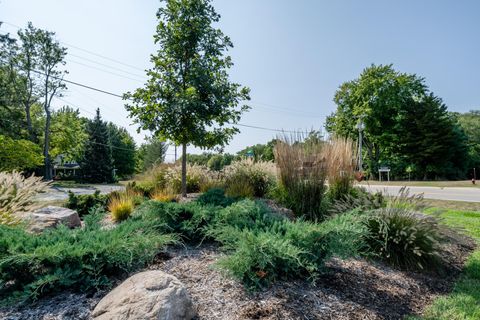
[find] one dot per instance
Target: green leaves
(19, 154)
(405, 124)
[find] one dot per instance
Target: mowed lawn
(464, 301)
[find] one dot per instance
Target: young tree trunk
(184, 170)
(46, 154)
(33, 138)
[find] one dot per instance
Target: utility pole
(360, 127)
(175, 152)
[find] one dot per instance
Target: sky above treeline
(292, 54)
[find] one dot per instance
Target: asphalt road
(447, 193)
(61, 193)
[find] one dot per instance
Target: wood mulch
(352, 289)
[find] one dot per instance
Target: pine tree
(97, 162)
(431, 140)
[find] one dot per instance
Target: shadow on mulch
(351, 289)
(359, 289)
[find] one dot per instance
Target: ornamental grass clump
(198, 178)
(121, 205)
(404, 238)
(340, 161)
(164, 195)
(249, 178)
(17, 195)
(302, 171)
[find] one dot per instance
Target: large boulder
(51, 217)
(146, 295)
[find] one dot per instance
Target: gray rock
(51, 217)
(146, 295)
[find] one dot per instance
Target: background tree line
(32, 134)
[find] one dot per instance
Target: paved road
(447, 193)
(61, 193)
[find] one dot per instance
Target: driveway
(61, 193)
(447, 193)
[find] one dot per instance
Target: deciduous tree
(188, 97)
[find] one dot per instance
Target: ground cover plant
(289, 249)
(261, 247)
(215, 197)
(83, 204)
(86, 259)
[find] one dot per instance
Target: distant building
(63, 167)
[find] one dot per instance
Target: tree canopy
(19, 154)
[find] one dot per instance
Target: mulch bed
(352, 289)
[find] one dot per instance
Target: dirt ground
(352, 289)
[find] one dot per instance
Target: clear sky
(292, 54)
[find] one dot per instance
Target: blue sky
(292, 54)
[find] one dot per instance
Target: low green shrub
(145, 187)
(260, 258)
(84, 204)
(84, 259)
(244, 214)
(287, 249)
(189, 220)
(215, 197)
(403, 238)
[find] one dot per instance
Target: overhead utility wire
(119, 96)
(84, 50)
(292, 111)
(103, 70)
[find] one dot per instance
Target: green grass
(452, 205)
(464, 301)
(440, 184)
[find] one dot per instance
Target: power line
(85, 50)
(263, 128)
(76, 106)
(106, 65)
(103, 70)
(79, 84)
(286, 110)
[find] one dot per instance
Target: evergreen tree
(97, 162)
(154, 152)
(429, 139)
(123, 150)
